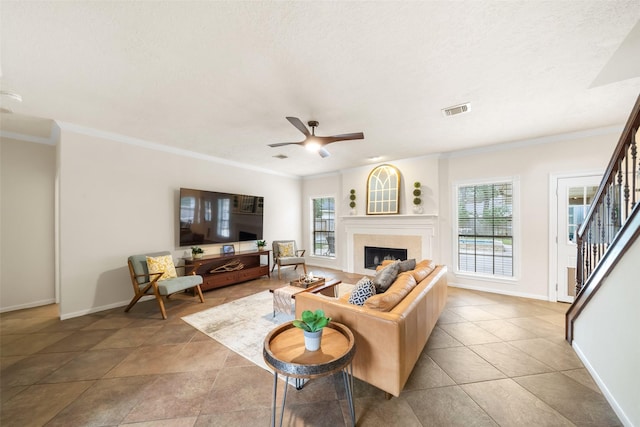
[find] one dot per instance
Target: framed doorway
(570, 199)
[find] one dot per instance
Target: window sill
(486, 278)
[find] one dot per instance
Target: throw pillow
(407, 265)
(364, 290)
(385, 277)
(162, 264)
(396, 293)
(285, 249)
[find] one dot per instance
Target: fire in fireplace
(373, 256)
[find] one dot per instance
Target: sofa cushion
(363, 290)
(406, 265)
(385, 277)
(162, 264)
(423, 269)
(400, 288)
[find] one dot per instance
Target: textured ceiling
(218, 78)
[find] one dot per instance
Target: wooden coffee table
(284, 297)
(285, 353)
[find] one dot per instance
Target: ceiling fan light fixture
(313, 146)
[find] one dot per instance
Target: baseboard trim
(28, 305)
(499, 291)
(605, 391)
(101, 308)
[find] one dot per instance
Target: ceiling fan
(313, 142)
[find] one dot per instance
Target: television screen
(208, 217)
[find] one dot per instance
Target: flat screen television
(209, 217)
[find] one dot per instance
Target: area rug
(243, 324)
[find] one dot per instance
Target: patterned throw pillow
(161, 264)
(286, 249)
(363, 290)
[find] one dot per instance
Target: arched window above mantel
(383, 190)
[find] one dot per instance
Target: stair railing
(609, 218)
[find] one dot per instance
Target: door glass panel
(579, 201)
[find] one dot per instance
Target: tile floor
(491, 360)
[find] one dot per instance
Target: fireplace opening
(373, 256)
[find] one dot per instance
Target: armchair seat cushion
(177, 284)
(292, 260)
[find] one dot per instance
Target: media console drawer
(229, 269)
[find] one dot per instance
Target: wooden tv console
(227, 269)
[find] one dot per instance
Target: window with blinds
(324, 220)
(485, 229)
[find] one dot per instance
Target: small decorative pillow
(364, 290)
(285, 249)
(407, 265)
(385, 277)
(162, 264)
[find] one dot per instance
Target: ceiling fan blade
(323, 152)
(280, 144)
(299, 125)
(343, 137)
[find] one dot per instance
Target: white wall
(532, 164)
(607, 340)
(119, 199)
(27, 176)
(423, 169)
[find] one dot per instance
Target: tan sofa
(388, 343)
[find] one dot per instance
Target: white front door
(575, 195)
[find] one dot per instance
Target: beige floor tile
(50, 399)
(105, 403)
(90, 365)
(448, 316)
(560, 357)
(441, 339)
(509, 360)
(463, 365)
(468, 333)
(509, 404)
(32, 369)
(541, 329)
(575, 401)
(30, 343)
(473, 313)
(173, 396)
(427, 374)
(249, 417)
(583, 377)
(446, 406)
(172, 422)
(150, 360)
(505, 330)
(242, 388)
(373, 412)
(128, 337)
(79, 341)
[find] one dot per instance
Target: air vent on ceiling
(281, 156)
(456, 109)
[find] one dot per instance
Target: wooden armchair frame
(295, 261)
(151, 286)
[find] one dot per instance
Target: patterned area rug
(243, 324)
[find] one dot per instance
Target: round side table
(285, 353)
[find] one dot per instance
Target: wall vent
(456, 109)
(281, 156)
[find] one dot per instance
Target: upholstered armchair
(155, 274)
(285, 253)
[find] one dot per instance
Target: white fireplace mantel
(423, 226)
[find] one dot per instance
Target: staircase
(612, 223)
(603, 323)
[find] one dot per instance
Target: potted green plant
(196, 252)
(417, 208)
(261, 244)
(352, 203)
(312, 324)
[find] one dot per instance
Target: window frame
(393, 197)
(516, 234)
(313, 231)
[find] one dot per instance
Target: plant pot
(196, 256)
(261, 248)
(417, 209)
(312, 340)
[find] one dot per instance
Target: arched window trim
(383, 205)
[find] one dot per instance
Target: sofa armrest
(380, 338)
